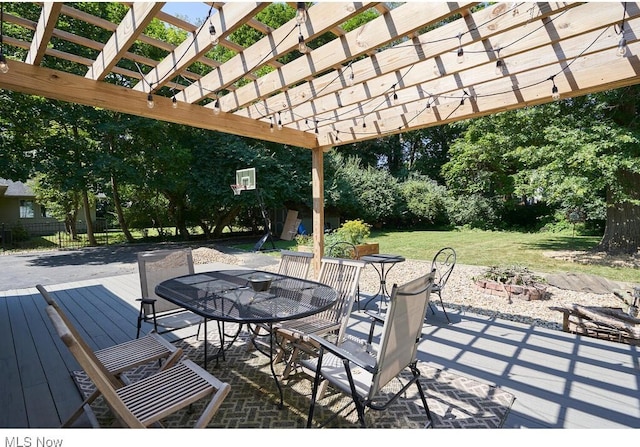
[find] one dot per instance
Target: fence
(25, 235)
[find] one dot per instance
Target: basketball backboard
(246, 178)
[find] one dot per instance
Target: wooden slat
(131, 26)
(39, 402)
(196, 45)
(43, 32)
(269, 48)
(11, 393)
(380, 31)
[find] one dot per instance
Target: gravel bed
(461, 294)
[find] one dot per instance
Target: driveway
(24, 270)
(19, 271)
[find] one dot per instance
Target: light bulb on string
(271, 124)
(150, 102)
(279, 121)
(216, 106)
(460, 50)
(301, 13)
(174, 102)
(4, 67)
(213, 34)
(555, 94)
(302, 46)
(501, 68)
(622, 47)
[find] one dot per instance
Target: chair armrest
(375, 318)
(363, 360)
(146, 300)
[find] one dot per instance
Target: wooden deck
(559, 380)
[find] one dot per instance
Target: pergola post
(317, 186)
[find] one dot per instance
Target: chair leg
(291, 362)
(416, 372)
(443, 309)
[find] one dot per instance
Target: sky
(194, 11)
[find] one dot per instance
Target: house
(19, 210)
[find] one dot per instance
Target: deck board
(560, 380)
(11, 393)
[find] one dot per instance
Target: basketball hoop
(237, 189)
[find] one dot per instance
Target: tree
(571, 154)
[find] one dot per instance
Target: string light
(302, 47)
(174, 102)
(150, 102)
(394, 100)
(301, 13)
(460, 50)
(622, 44)
(216, 106)
(351, 76)
(271, 124)
(213, 34)
(622, 47)
(279, 121)
(555, 94)
(501, 68)
(4, 67)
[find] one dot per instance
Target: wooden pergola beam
(54, 84)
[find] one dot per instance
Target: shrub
(354, 231)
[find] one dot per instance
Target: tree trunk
(622, 231)
(225, 221)
(118, 206)
(87, 217)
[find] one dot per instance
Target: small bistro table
(385, 262)
(228, 296)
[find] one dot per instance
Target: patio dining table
(232, 296)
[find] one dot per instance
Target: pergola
(415, 65)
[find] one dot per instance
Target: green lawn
(489, 248)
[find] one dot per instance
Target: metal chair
(295, 263)
(341, 274)
(155, 267)
(443, 263)
(343, 249)
(146, 402)
(361, 369)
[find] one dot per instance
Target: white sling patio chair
(146, 402)
(358, 368)
(153, 268)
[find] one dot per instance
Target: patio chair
(295, 263)
(292, 263)
(153, 268)
(361, 369)
(146, 402)
(119, 358)
(443, 263)
(345, 249)
(341, 274)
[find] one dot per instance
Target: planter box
(368, 249)
(526, 293)
(363, 249)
